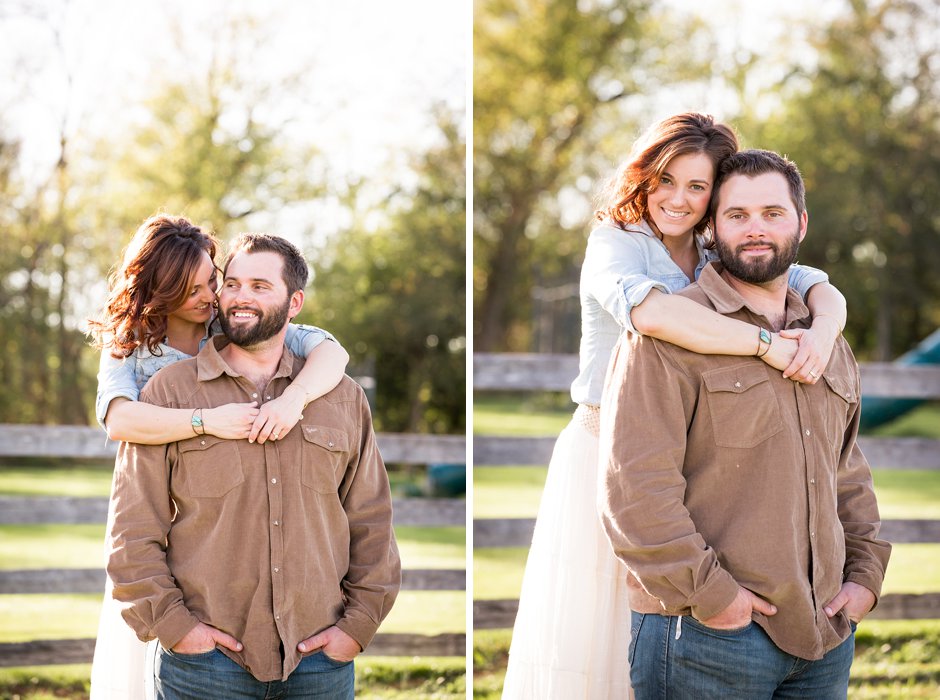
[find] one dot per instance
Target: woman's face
(681, 199)
(199, 305)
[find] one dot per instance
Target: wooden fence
(90, 443)
(529, 372)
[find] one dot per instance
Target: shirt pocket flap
(328, 438)
(736, 379)
(198, 443)
(209, 467)
(842, 386)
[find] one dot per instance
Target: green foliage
(394, 293)
(864, 127)
(552, 80)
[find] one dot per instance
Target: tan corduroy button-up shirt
(721, 472)
(270, 543)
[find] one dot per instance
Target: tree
(392, 286)
(551, 81)
(864, 127)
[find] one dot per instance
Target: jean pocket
(636, 622)
(716, 632)
(332, 661)
(190, 657)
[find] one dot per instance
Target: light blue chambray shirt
(620, 268)
(128, 376)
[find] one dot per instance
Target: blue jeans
(728, 664)
(213, 675)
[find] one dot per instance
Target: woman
(161, 308)
(572, 630)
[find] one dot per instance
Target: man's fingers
(226, 640)
(311, 643)
(836, 604)
(762, 606)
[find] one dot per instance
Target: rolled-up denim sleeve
(616, 273)
(115, 378)
(301, 340)
(802, 278)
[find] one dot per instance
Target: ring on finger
(813, 374)
(275, 434)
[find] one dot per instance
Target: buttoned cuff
(175, 625)
(714, 596)
(359, 626)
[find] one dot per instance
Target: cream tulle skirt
(572, 630)
(122, 669)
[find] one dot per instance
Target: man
(738, 499)
(259, 567)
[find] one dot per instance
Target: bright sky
(376, 67)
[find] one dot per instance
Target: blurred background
(340, 126)
(849, 90)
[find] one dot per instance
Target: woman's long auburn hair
(624, 199)
(153, 280)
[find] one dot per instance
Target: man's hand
(333, 642)
(854, 598)
(203, 638)
(738, 614)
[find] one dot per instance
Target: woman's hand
(231, 421)
(277, 417)
(781, 352)
(816, 345)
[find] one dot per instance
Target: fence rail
(91, 443)
(537, 372)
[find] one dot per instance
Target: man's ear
(296, 303)
(804, 219)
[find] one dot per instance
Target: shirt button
(812, 481)
(807, 432)
(273, 481)
(277, 617)
(202, 442)
(276, 569)
(737, 385)
(254, 396)
(276, 523)
(268, 398)
(331, 444)
(812, 534)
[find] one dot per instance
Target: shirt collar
(727, 300)
(210, 364)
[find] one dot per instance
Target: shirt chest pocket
(209, 467)
(841, 398)
(742, 404)
(324, 455)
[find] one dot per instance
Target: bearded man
(739, 500)
(262, 570)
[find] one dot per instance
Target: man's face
(254, 304)
(757, 229)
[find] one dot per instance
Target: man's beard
(268, 324)
(759, 270)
